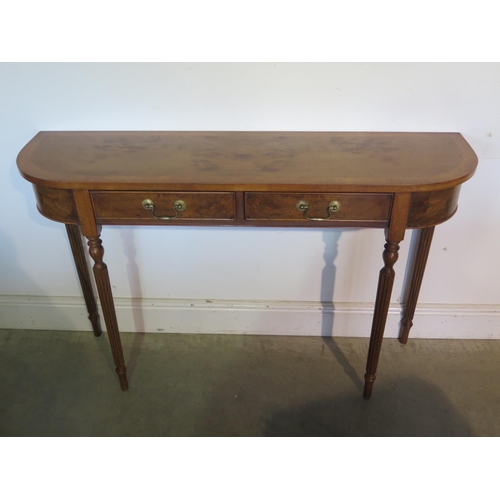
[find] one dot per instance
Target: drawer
(348, 206)
(162, 205)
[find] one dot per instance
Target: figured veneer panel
(429, 209)
(128, 205)
(282, 206)
(56, 204)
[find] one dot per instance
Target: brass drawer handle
(303, 206)
(179, 206)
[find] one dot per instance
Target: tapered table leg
(75, 241)
(419, 251)
(385, 283)
(96, 251)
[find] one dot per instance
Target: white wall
(241, 268)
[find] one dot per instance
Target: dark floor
(63, 384)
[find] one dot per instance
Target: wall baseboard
(463, 321)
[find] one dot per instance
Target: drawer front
(161, 205)
(348, 207)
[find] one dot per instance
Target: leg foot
(369, 381)
(404, 332)
(122, 376)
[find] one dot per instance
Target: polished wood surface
(248, 161)
(353, 207)
(56, 204)
(388, 180)
(433, 207)
(128, 205)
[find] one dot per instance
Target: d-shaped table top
(242, 161)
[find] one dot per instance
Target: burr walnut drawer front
(163, 205)
(318, 206)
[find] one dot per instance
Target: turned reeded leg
(419, 251)
(75, 241)
(96, 251)
(385, 282)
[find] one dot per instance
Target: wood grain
(251, 161)
(56, 204)
(128, 205)
(282, 206)
(434, 207)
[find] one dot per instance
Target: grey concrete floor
(63, 384)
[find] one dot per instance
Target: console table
(385, 180)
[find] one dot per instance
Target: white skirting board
(460, 321)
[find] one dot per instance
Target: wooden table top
(248, 161)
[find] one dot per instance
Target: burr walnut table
(392, 181)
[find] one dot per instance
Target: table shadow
(410, 407)
(134, 277)
(331, 239)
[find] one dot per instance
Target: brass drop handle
(303, 206)
(179, 206)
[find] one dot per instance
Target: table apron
(426, 209)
